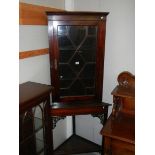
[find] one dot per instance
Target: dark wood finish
(78, 16)
(119, 130)
(56, 19)
(77, 101)
(78, 108)
(31, 93)
(77, 144)
(124, 94)
(31, 96)
(119, 135)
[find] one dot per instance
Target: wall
(87, 5)
(37, 69)
(119, 52)
(50, 3)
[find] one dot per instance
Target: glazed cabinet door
(76, 57)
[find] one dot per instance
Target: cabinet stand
(75, 143)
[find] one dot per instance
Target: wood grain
(30, 14)
(27, 54)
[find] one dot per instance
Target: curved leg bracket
(55, 119)
(100, 116)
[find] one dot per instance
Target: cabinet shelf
(77, 144)
(78, 107)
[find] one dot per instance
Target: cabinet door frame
(54, 57)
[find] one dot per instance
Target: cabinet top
(77, 13)
(30, 93)
(78, 16)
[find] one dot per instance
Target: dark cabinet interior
(77, 46)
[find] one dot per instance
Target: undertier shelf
(76, 144)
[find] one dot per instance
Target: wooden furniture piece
(119, 130)
(77, 144)
(76, 48)
(34, 119)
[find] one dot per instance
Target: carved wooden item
(119, 130)
(124, 94)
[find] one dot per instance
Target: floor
(88, 154)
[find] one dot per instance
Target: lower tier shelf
(76, 144)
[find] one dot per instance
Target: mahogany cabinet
(34, 119)
(119, 130)
(76, 49)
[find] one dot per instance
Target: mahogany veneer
(119, 130)
(78, 108)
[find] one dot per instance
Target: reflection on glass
(32, 131)
(77, 67)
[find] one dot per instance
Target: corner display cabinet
(76, 48)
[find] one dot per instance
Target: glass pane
(66, 72)
(88, 55)
(26, 125)
(65, 43)
(88, 71)
(92, 30)
(32, 131)
(65, 83)
(77, 88)
(89, 44)
(39, 146)
(89, 82)
(77, 67)
(65, 56)
(62, 30)
(77, 63)
(77, 34)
